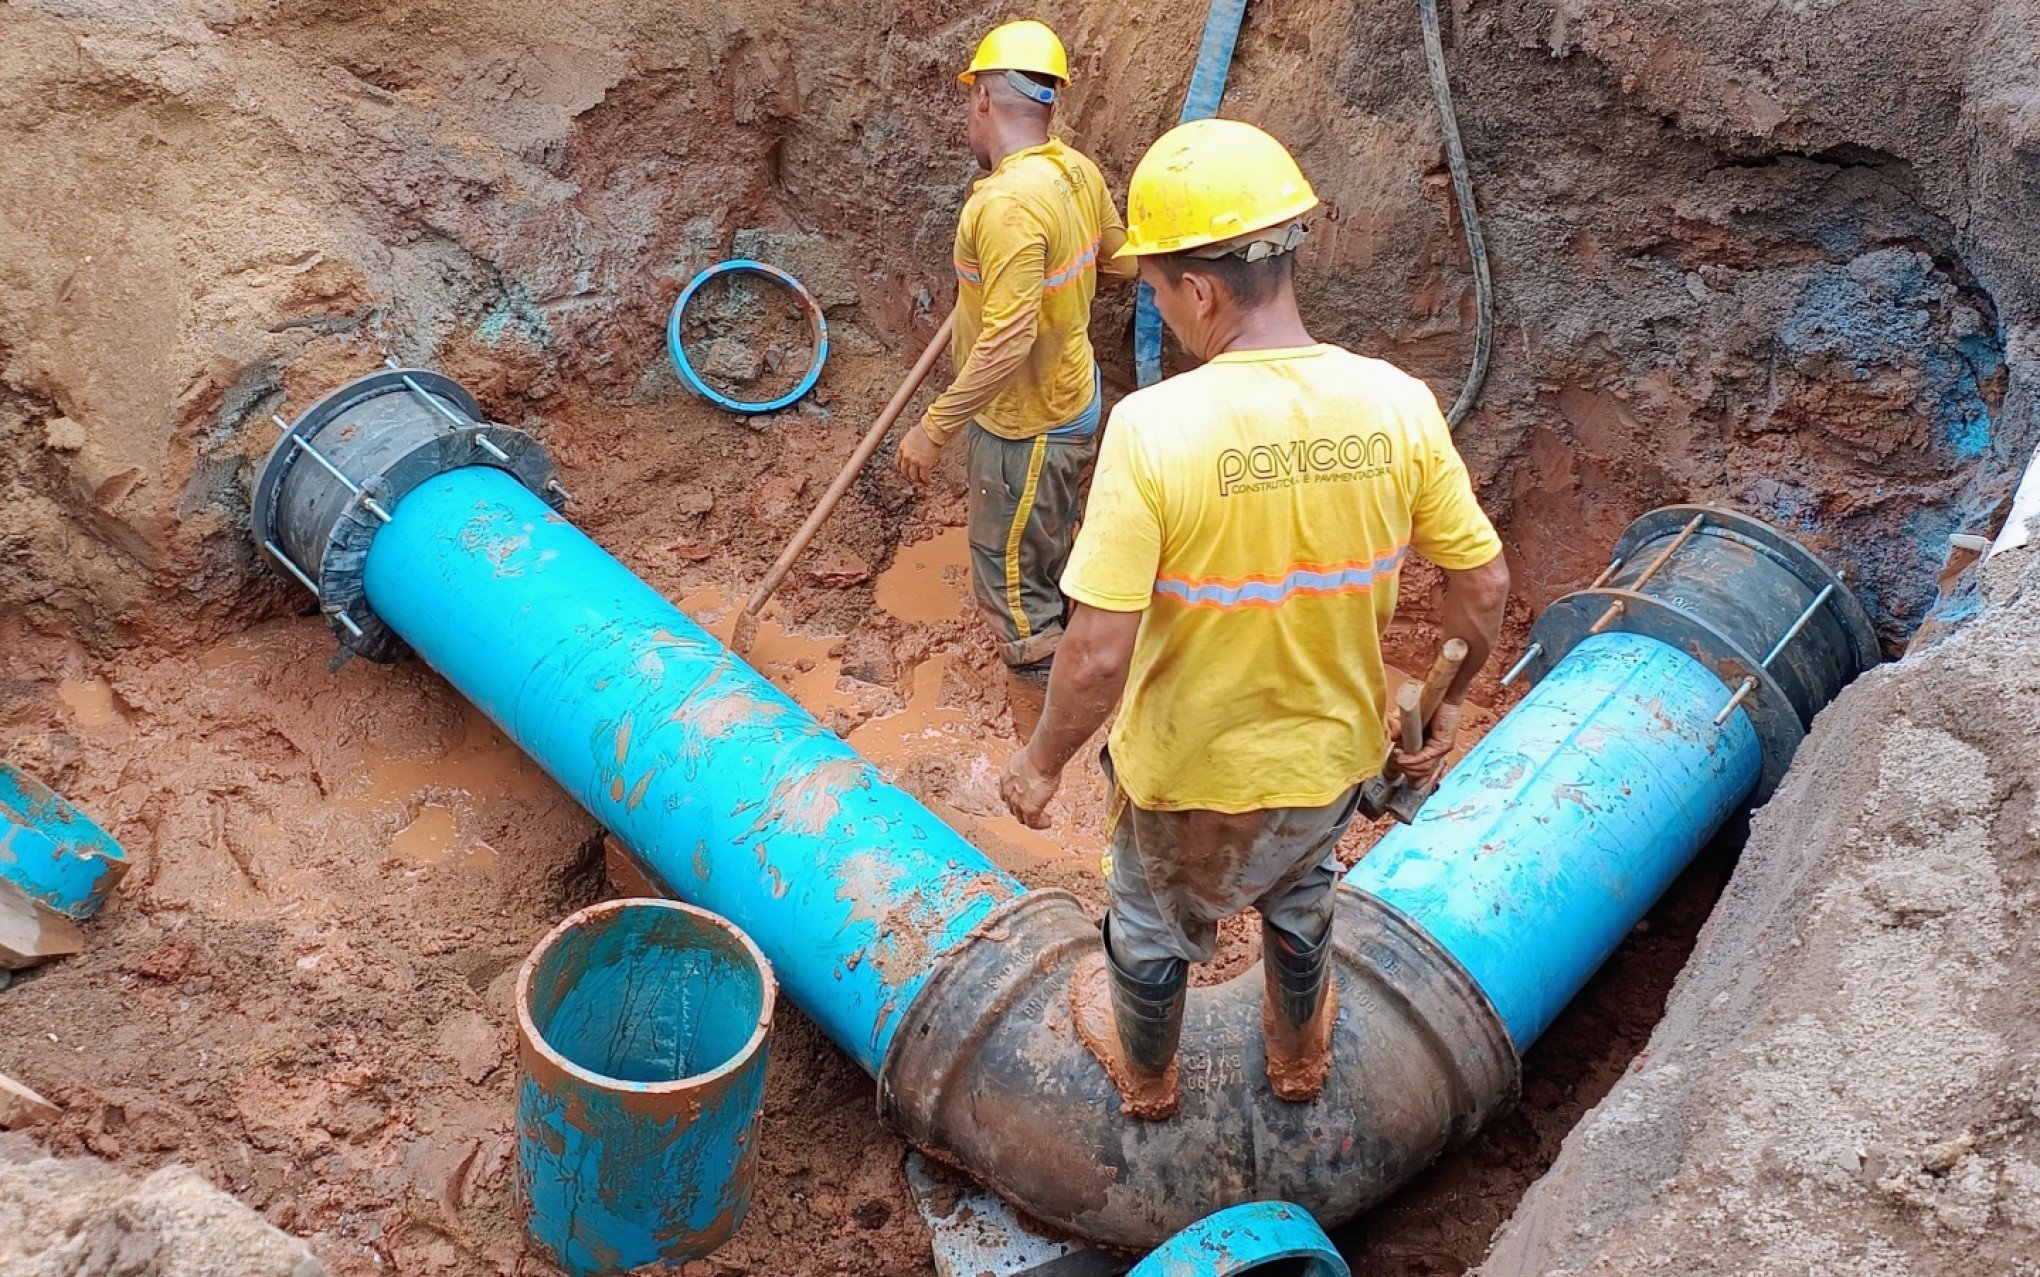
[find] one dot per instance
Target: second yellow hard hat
(1209, 181)
(1026, 45)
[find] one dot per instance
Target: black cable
(1469, 217)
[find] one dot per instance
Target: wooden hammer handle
(1409, 700)
(1443, 671)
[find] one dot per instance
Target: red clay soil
(1732, 267)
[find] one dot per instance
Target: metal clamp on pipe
(1781, 631)
(331, 481)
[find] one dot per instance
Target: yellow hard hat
(1027, 46)
(1208, 182)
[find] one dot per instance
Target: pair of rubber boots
(1137, 1040)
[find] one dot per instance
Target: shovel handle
(865, 447)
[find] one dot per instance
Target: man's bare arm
(1090, 672)
(1475, 602)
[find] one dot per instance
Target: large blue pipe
(727, 791)
(1562, 827)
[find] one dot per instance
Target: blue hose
(1207, 86)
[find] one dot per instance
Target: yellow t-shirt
(1258, 509)
(1030, 245)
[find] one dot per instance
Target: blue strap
(1207, 85)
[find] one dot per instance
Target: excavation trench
(1463, 936)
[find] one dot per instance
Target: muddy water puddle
(90, 701)
(929, 581)
(442, 799)
(934, 744)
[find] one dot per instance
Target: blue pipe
(1244, 1239)
(53, 851)
(1562, 827)
(1207, 87)
(734, 797)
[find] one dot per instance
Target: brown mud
(1776, 260)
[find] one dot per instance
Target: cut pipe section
(642, 1030)
(53, 852)
(1259, 1237)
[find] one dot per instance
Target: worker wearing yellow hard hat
(1035, 236)
(1236, 570)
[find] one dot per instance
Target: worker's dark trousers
(1024, 508)
(1173, 876)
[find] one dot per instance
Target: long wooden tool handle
(1443, 671)
(865, 447)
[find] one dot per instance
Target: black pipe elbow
(987, 1073)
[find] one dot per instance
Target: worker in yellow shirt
(1237, 566)
(1034, 236)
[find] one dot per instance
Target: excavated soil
(1775, 258)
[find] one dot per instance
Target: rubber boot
(1132, 1027)
(1299, 1005)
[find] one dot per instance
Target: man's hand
(1027, 789)
(1428, 763)
(918, 454)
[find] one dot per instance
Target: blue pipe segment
(643, 1028)
(1243, 1239)
(1561, 828)
(818, 333)
(53, 851)
(1207, 88)
(730, 795)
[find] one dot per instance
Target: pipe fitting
(987, 1072)
(1782, 632)
(330, 484)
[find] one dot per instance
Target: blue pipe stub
(818, 332)
(1242, 1240)
(53, 851)
(642, 1040)
(1561, 828)
(729, 794)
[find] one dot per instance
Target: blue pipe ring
(1244, 1239)
(818, 332)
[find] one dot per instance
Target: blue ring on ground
(818, 332)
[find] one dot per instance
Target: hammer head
(1381, 796)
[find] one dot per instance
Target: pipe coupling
(335, 478)
(1781, 631)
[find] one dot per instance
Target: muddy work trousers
(1173, 876)
(1024, 508)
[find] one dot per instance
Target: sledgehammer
(1394, 795)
